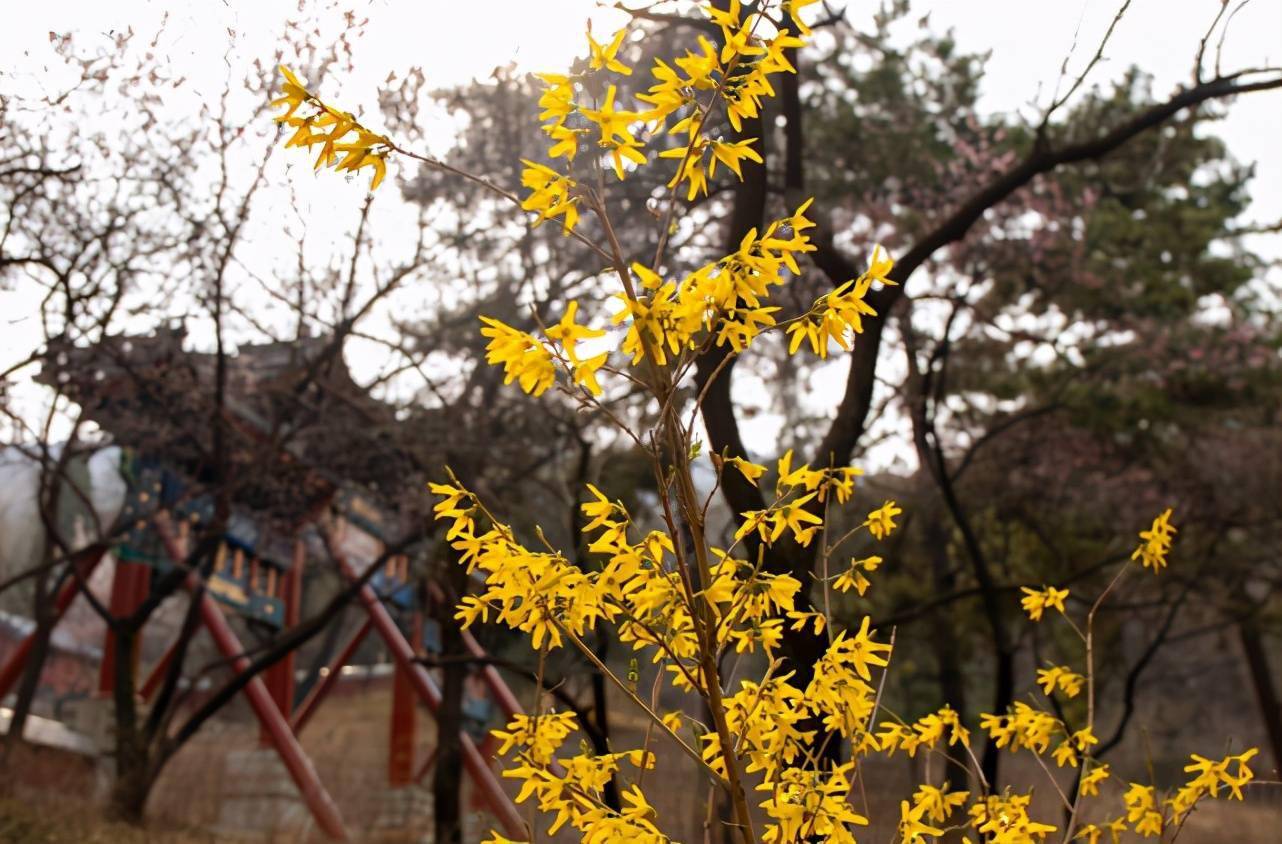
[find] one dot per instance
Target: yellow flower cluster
(724, 300)
(1023, 728)
(1094, 833)
(1157, 543)
(344, 143)
(1141, 810)
(1026, 728)
(1081, 741)
(614, 125)
(721, 303)
(1059, 677)
(1037, 601)
(723, 297)
(808, 805)
(539, 593)
(572, 789)
(928, 731)
(911, 827)
(1229, 773)
(796, 489)
(840, 692)
(539, 737)
(881, 522)
(838, 316)
(569, 333)
(532, 363)
(938, 804)
(854, 577)
(1003, 819)
(616, 137)
(642, 585)
(524, 359)
(763, 718)
(551, 195)
(838, 482)
(736, 75)
(1089, 785)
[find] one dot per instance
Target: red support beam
(85, 562)
(280, 677)
(296, 761)
(292, 588)
(129, 586)
(487, 750)
(475, 764)
(400, 755)
(269, 715)
(329, 676)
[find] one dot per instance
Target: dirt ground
(52, 799)
(26, 822)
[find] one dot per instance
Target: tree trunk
(1003, 697)
(446, 782)
(945, 634)
(600, 736)
(134, 776)
(134, 779)
(42, 605)
(1257, 663)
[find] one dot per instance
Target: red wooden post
(85, 562)
(400, 756)
(129, 584)
(400, 760)
(292, 587)
(280, 677)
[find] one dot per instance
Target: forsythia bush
(672, 595)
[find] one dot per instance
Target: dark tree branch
(843, 436)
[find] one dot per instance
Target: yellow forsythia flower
(939, 803)
(523, 357)
(1141, 810)
(1089, 785)
(335, 132)
(1037, 601)
(911, 827)
(605, 57)
(881, 522)
(1005, 818)
(1157, 543)
(838, 316)
(1066, 680)
(551, 195)
(751, 471)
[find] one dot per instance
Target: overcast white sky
(454, 41)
